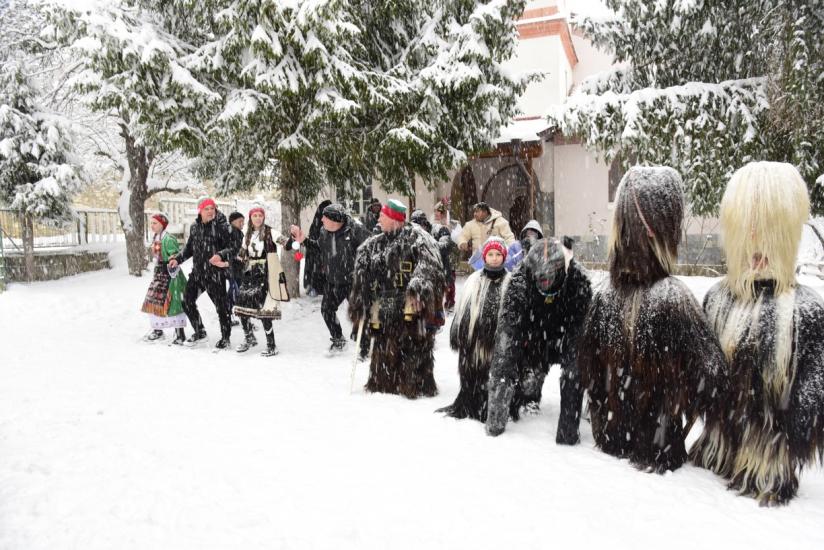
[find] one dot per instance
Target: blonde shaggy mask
(762, 214)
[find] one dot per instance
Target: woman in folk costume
(263, 284)
(472, 333)
(772, 332)
(647, 354)
(164, 300)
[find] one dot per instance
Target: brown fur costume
(647, 354)
(391, 271)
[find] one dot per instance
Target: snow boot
(271, 349)
(154, 335)
(223, 343)
(250, 342)
(180, 337)
(338, 344)
(196, 337)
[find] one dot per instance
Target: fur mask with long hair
(762, 214)
(546, 264)
(646, 226)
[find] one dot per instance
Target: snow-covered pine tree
(37, 174)
(706, 86)
(131, 66)
(327, 92)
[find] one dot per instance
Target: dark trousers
(449, 294)
(231, 296)
(214, 284)
(333, 297)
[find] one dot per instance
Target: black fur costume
(774, 424)
(647, 354)
(391, 270)
(540, 320)
(472, 335)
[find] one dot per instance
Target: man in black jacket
(235, 272)
(211, 248)
(336, 248)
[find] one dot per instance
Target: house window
(355, 203)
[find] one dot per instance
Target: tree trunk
(27, 228)
(132, 204)
(290, 214)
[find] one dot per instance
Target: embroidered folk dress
(164, 299)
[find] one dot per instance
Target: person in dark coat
(443, 227)
(210, 247)
(235, 273)
(398, 292)
(542, 311)
(314, 278)
(336, 247)
(446, 246)
(647, 354)
(370, 217)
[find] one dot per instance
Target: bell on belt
(408, 310)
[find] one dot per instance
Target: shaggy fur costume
(472, 335)
(540, 320)
(392, 270)
(771, 331)
(647, 354)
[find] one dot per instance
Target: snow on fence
(88, 226)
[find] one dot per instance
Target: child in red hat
(472, 333)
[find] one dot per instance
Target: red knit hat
(496, 244)
(204, 203)
(161, 219)
(258, 209)
(395, 210)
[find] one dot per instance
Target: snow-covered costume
(393, 270)
(164, 299)
(771, 330)
(647, 354)
(541, 314)
(472, 335)
(262, 286)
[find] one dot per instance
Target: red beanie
(496, 244)
(257, 209)
(395, 210)
(204, 203)
(161, 219)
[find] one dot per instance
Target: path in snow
(108, 442)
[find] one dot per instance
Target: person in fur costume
(647, 354)
(398, 293)
(543, 307)
(262, 278)
(771, 330)
(472, 333)
(164, 300)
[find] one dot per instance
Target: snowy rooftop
(523, 130)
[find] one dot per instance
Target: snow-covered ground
(107, 442)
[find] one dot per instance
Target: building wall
(542, 54)
(591, 60)
(581, 192)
